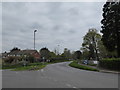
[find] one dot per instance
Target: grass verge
(29, 68)
(76, 65)
(19, 67)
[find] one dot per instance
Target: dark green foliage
(45, 53)
(12, 59)
(15, 49)
(30, 58)
(33, 64)
(9, 59)
(110, 63)
(59, 58)
(91, 52)
(76, 65)
(10, 66)
(111, 26)
(66, 54)
(77, 54)
(57, 61)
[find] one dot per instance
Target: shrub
(12, 60)
(9, 59)
(10, 66)
(110, 63)
(30, 58)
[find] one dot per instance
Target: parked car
(85, 62)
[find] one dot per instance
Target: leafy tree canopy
(90, 43)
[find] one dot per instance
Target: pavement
(58, 75)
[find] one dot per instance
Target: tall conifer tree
(111, 26)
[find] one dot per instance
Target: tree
(103, 52)
(85, 54)
(111, 26)
(77, 54)
(30, 58)
(90, 43)
(45, 53)
(15, 49)
(67, 53)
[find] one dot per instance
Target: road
(58, 75)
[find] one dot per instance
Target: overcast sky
(57, 23)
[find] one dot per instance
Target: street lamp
(34, 38)
(58, 49)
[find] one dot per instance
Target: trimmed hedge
(110, 63)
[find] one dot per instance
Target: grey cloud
(57, 23)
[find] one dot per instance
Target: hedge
(110, 63)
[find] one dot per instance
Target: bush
(76, 65)
(10, 66)
(9, 59)
(33, 64)
(110, 63)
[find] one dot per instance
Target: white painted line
(74, 87)
(42, 70)
(68, 85)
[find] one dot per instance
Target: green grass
(0, 60)
(36, 67)
(31, 66)
(76, 65)
(9, 66)
(19, 67)
(0, 63)
(92, 64)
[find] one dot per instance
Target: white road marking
(42, 70)
(74, 87)
(68, 85)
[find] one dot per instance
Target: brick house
(19, 53)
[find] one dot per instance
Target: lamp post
(34, 38)
(58, 49)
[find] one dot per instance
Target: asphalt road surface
(58, 75)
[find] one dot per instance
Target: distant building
(19, 53)
(34, 53)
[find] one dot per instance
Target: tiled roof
(22, 52)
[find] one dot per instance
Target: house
(19, 53)
(4, 55)
(34, 53)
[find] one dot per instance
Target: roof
(28, 51)
(22, 52)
